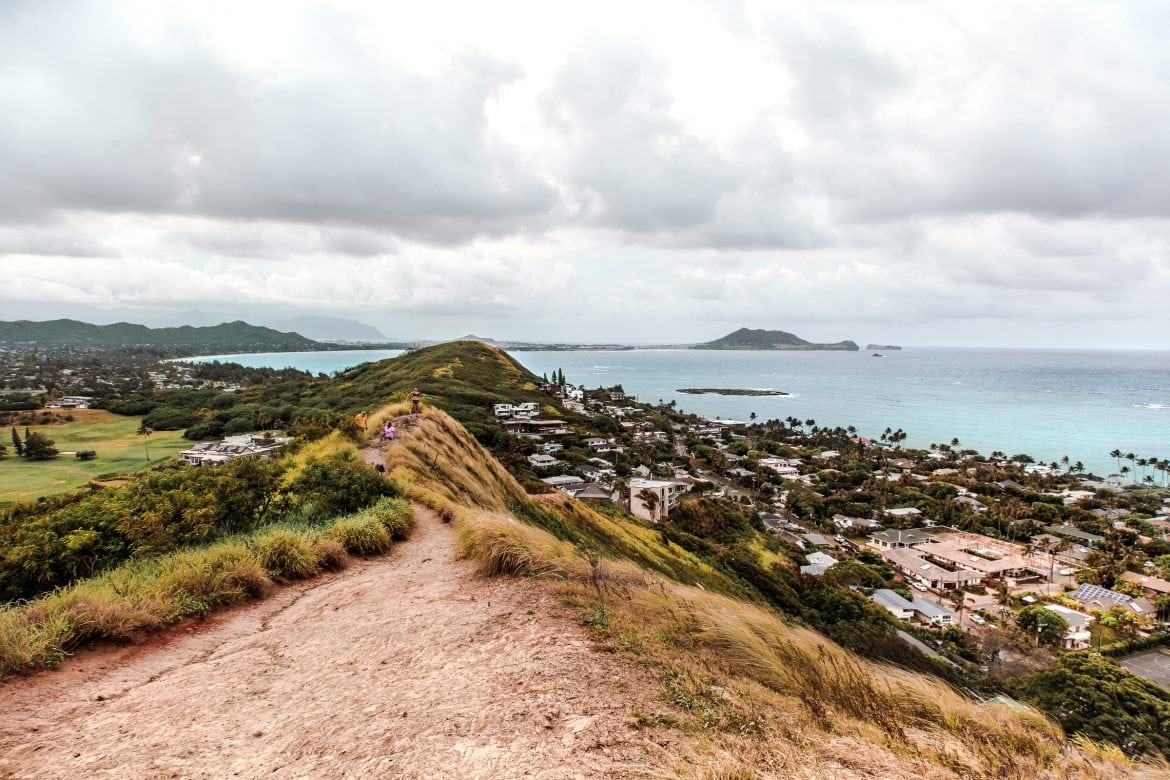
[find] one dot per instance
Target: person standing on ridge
(415, 401)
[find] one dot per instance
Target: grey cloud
(109, 123)
(1045, 110)
(52, 239)
(637, 169)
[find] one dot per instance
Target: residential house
(899, 607)
(816, 540)
(772, 521)
(1151, 586)
(976, 506)
(1069, 532)
(818, 564)
(233, 447)
(844, 521)
(565, 482)
(907, 512)
(552, 447)
(896, 539)
(1096, 597)
(667, 495)
(594, 491)
(915, 567)
(1077, 636)
(542, 461)
(526, 410)
(931, 614)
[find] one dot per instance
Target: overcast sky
(965, 173)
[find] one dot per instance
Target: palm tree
(959, 599)
(650, 499)
(145, 433)
(1116, 453)
(1003, 596)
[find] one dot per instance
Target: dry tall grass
(770, 698)
(758, 687)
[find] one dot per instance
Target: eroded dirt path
(404, 666)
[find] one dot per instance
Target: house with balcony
(667, 495)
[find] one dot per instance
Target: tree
(1121, 620)
(959, 600)
(1044, 624)
(17, 444)
(651, 500)
(145, 433)
(38, 446)
(1093, 695)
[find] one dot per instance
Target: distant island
(728, 391)
(884, 347)
(746, 338)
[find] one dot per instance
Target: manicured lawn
(114, 439)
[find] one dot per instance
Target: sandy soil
(403, 666)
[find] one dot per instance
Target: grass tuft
(330, 553)
(285, 555)
(361, 534)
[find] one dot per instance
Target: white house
(233, 447)
(525, 410)
(1078, 636)
(668, 495)
(552, 447)
(897, 606)
(932, 614)
(818, 563)
(542, 461)
(502, 410)
(844, 521)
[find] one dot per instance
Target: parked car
(977, 619)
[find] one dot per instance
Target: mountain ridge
(74, 333)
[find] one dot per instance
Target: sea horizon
(1046, 403)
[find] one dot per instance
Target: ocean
(1046, 403)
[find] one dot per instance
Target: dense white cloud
(648, 173)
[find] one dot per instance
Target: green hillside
(746, 338)
(238, 336)
(464, 378)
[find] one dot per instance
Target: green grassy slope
(114, 438)
(463, 378)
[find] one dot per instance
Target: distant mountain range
(329, 328)
(229, 336)
(746, 338)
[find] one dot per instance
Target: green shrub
(338, 485)
(199, 581)
(397, 515)
(286, 555)
(362, 534)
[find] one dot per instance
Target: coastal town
(1022, 558)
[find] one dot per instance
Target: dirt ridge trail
(408, 665)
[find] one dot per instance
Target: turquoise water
(1046, 403)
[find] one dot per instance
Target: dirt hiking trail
(408, 665)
